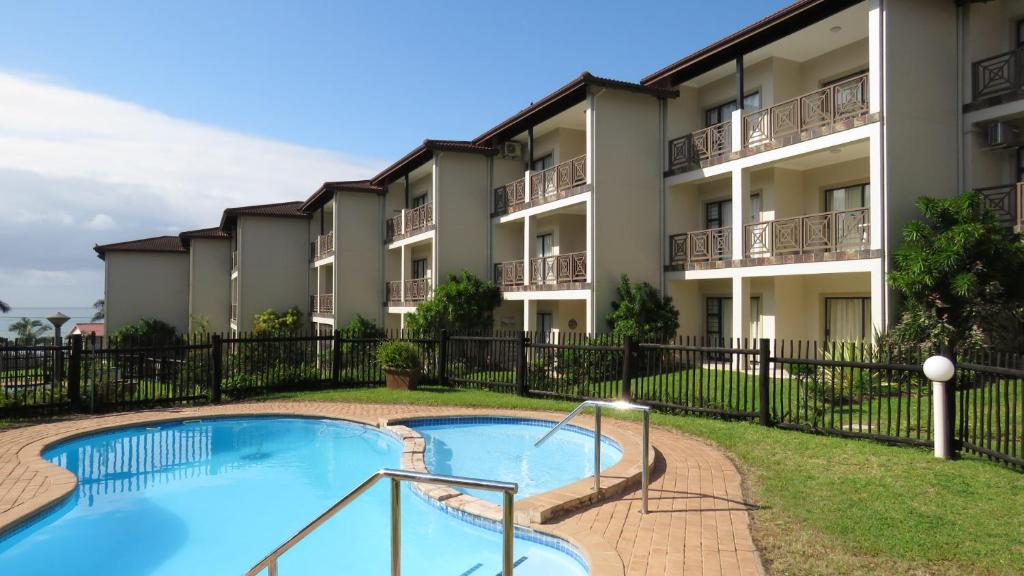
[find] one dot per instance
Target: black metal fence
(847, 389)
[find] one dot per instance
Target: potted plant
(402, 364)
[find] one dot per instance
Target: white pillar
(740, 209)
(527, 247)
(879, 322)
(737, 130)
(740, 308)
(590, 239)
(876, 212)
(875, 56)
(529, 315)
(401, 271)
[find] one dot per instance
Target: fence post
(216, 348)
(336, 359)
(442, 358)
(522, 366)
(763, 382)
(627, 368)
(75, 373)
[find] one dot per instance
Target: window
(718, 214)
(718, 319)
(545, 245)
(848, 197)
(723, 112)
(419, 200)
(848, 319)
(419, 268)
(545, 323)
(755, 207)
(543, 163)
(755, 317)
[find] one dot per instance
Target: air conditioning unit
(511, 150)
(1002, 135)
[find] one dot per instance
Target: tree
(4, 307)
(100, 307)
(958, 272)
(643, 313)
(272, 323)
(462, 304)
(29, 330)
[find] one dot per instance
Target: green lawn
(831, 505)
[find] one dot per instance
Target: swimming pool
(502, 448)
(215, 496)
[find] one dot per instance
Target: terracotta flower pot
(401, 379)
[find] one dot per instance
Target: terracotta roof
(784, 22)
(214, 233)
(276, 210)
(424, 152)
(155, 244)
(562, 99)
(327, 190)
(86, 328)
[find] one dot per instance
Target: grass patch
(829, 505)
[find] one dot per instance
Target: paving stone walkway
(699, 521)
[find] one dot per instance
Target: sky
(122, 120)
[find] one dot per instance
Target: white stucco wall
(274, 268)
(152, 285)
(209, 283)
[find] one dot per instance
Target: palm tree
(100, 306)
(29, 329)
(4, 307)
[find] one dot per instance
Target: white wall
(273, 267)
(357, 257)
(152, 285)
(210, 283)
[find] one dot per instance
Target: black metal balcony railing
(324, 246)
(560, 181)
(837, 231)
(509, 273)
(998, 75)
(410, 222)
(559, 269)
(822, 108)
(701, 246)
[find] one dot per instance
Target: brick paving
(699, 521)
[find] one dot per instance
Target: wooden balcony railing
(559, 269)
(689, 151)
(998, 75)
(560, 181)
(700, 246)
(410, 222)
(416, 290)
(1005, 202)
(509, 273)
(826, 232)
(822, 108)
(324, 246)
(323, 303)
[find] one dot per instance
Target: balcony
(322, 304)
(559, 269)
(997, 79)
(416, 290)
(830, 109)
(410, 222)
(509, 274)
(1006, 202)
(700, 246)
(839, 231)
(324, 246)
(560, 181)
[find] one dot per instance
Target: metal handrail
(397, 477)
(645, 439)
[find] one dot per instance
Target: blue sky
(122, 120)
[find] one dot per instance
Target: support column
(879, 307)
(740, 209)
(875, 56)
(876, 214)
(740, 308)
(401, 272)
(529, 315)
(527, 247)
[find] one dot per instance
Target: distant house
(89, 329)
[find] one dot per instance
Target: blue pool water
(213, 497)
(502, 449)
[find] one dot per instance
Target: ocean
(77, 314)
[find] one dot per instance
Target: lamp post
(940, 370)
(58, 320)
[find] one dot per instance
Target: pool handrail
(645, 439)
(508, 489)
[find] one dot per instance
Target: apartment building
(576, 202)
(146, 278)
(269, 266)
(209, 278)
(991, 40)
(793, 156)
(346, 253)
(434, 223)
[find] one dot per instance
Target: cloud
(78, 168)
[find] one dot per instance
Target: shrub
(146, 330)
(272, 323)
(642, 313)
(581, 366)
(398, 355)
(462, 304)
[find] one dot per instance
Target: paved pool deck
(699, 520)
